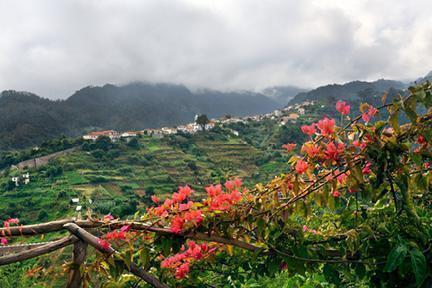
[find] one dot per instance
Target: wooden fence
(78, 236)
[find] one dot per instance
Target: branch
(43, 228)
(44, 249)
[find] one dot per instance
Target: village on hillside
(284, 116)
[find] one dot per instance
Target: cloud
(53, 47)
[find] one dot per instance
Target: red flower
(372, 111)
(421, 139)
(115, 235)
(182, 270)
(168, 203)
(326, 126)
(332, 152)
(289, 146)
(229, 184)
(310, 149)
(155, 199)
(342, 107)
(366, 170)
(176, 225)
(3, 241)
(178, 197)
(9, 221)
(301, 166)
(308, 130)
(187, 206)
(336, 194)
(185, 190)
(194, 217)
(104, 244)
(342, 178)
(214, 190)
(238, 182)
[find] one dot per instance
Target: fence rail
(79, 237)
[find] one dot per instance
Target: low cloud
(53, 47)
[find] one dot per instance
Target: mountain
(282, 94)
(427, 77)
(27, 119)
(354, 91)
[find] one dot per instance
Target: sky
(53, 48)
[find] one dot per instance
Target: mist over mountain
(353, 91)
(283, 94)
(27, 119)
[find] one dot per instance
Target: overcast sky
(55, 47)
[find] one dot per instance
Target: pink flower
(366, 170)
(308, 130)
(342, 107)
(155, 199)
(342, 178)
(229, 184)
(182, 270)
(187, 206)
(176, 225)
(326, 126)
(336, 194)
(9, 221)
(372, 111)
(3, 241)
(108, 217)
(333, 152)
(194, 217)
(289, 146)
(238, 182)
(186, 190)
(305, 228)
(310, 149)
(125, 228)
(214, 190)
(366, 118)
(421, 139)
(301, 166)
(178, 197)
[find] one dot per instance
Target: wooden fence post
(79, 255)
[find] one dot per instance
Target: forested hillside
(26, 119)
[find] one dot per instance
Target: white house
(112, 134)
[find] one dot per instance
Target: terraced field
(124, 181)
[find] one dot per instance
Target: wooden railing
(79, 237)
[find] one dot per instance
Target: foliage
(353, 207)
(353, 210)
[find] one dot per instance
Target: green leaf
(395, 258)
(410, 106)
(144, 257)
(418, 264)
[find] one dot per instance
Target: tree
(202, 120)
(133, 143)
(104, 143)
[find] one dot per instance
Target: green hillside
(122, 177)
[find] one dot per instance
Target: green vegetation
(119, 177)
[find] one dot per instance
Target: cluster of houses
(23, 179)
(190, 128)
(289, 114)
